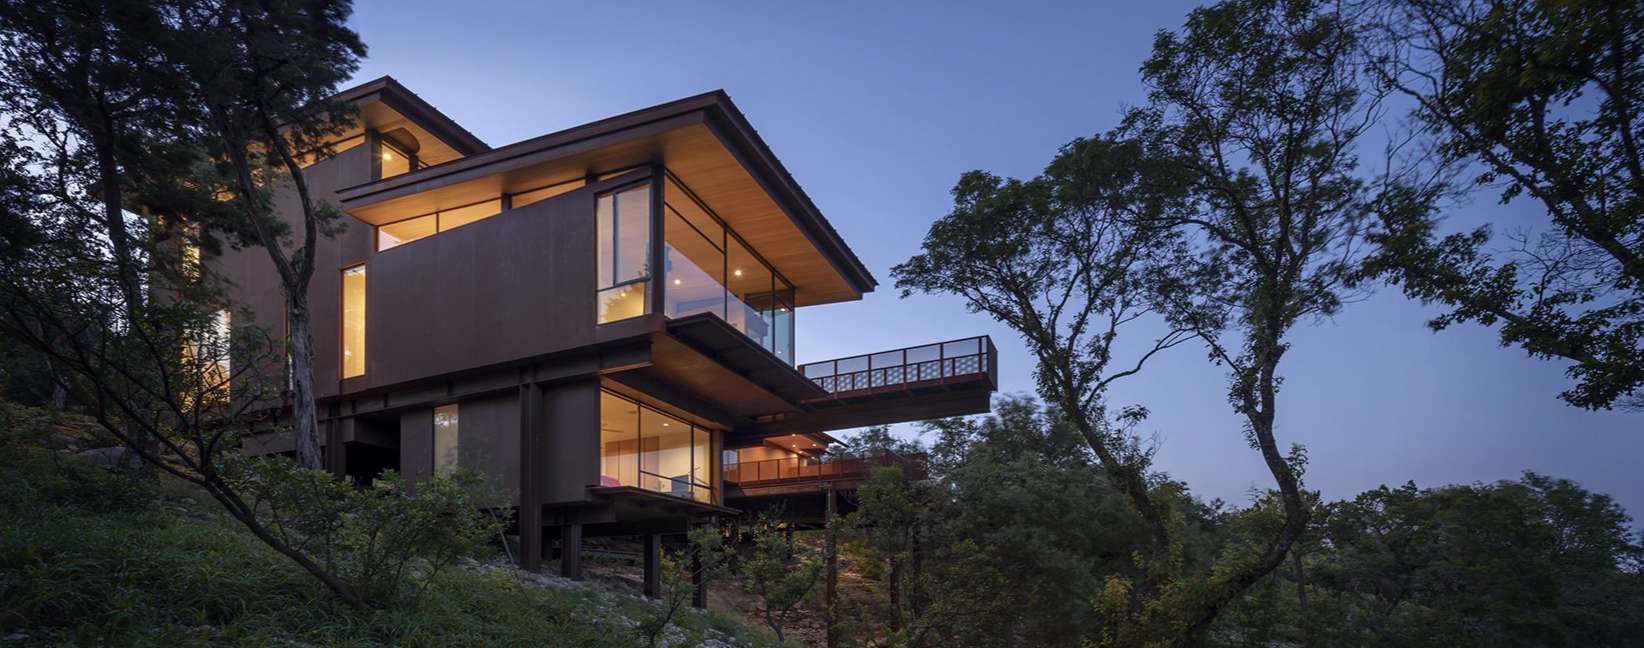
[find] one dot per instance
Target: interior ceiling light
(387, 156)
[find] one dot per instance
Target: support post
(529, 519)
(832, 600)
(570, 551)
(653, 565)
(336, 453)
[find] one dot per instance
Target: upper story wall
(512, 286)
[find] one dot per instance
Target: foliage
(704, 560)
(374, 539)
(1536, 561)
(1542, 101)
(777, 572)
(88, 558)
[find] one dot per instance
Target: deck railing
(938, 363)
(795, 469)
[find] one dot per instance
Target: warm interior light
(676, 282)
(738, 272)
(387, 156)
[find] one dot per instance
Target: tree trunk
(1301, 598)
(304, 422)
(833, 572)
(896, 594)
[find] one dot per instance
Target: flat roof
(704, 139)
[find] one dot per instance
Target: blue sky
(876, 108)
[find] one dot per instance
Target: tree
(262, 78)
(1543, 101)
(702, 561)
(1065, 259)
(1259, 106)
(778, 573)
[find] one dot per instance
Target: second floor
(457, 257)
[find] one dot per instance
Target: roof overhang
(390, 108)
(704, 140)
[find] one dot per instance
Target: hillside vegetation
(89, 556)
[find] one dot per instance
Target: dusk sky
(876, 108)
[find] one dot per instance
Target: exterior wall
(488, 439)
(417, 444)
(255, 284)
(512, 286)
(570, 452)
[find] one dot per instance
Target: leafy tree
(1542, 101)
(704, 560)
(1259, 106)
(1065, 260)
(778, 573)
(261, 79)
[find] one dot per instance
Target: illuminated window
(401, 232)
(524, 198)
(406, 231)
(645, 448)
(624, 243)
(445, 439)
(207, 356)
(353, 298)
(394, 161)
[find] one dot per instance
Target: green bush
(374, 539)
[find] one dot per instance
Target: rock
(105, 457)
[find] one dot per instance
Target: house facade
(601, 319)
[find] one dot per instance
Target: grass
(90, 557)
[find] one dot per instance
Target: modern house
(600, 318)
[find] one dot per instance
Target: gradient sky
(876, 108)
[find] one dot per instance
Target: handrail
(936, 362)
(793, 469)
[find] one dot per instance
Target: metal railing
(795, 469)
(930, 363)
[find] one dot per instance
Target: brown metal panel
(417, 444)
(506, 288)
(489, 440)
(570, 456)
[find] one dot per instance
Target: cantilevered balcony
(953, 378)
(939, 366)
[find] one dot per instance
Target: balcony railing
(964, 359)
(794, 469)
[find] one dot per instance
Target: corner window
(622, 276)
(394, 161)
(446, 439)
(353, 310)
(643, 447)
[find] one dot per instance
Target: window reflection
(623, 240)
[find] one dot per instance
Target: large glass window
(353, 307)
(645, 448)
(708, 269)
(446, 439)
(624, 242)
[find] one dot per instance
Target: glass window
(624, 242)
(751, 294)
(445, 439)
(782, 343)
(524, 198)
(645, 448)
(406, 231)
(353, 298)
(618, 441)
(454, 218)
(694, 268)
(394, 161)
